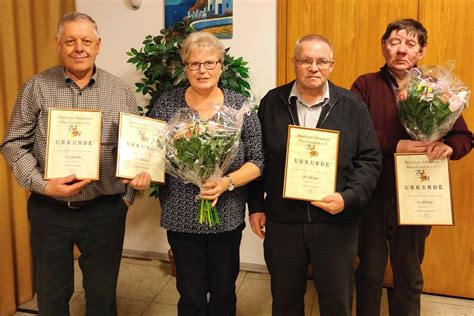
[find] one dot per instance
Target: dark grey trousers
(329, 247)
(380, 236)
(98, 231)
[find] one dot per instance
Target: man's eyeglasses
(208, 64)
(320, 63)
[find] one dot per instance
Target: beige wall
(122, 28)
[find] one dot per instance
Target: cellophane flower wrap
(198, 150)
(431, 101)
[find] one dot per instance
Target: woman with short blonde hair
(207, 258)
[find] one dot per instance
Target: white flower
(463, 96)
(458, 101)
(455, 106)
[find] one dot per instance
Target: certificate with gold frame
(140, 147)
(423, 190)
(73, 143)
(311, 163)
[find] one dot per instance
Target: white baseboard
(145, 255)
(152, 255)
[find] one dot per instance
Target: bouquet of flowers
(431, 101)
(198, 149)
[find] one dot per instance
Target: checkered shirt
(24, 145)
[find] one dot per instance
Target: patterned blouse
(179, 200)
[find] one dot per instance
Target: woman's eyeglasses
(208, 64)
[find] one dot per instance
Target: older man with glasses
(321, 233)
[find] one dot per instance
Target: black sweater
(359, 160)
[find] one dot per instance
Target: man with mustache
(67, 211)
(320, 233)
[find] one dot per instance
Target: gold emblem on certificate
(423, 190)
(140, 147)
(73, 143)
(311, 163)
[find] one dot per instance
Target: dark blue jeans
(98, 231)
(330, 248)
(206, 263)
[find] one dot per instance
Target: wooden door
(449, 260)
(355, 27)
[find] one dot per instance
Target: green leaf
(244, 84)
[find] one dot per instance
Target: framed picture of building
(213, 16)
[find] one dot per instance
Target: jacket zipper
(307, 210)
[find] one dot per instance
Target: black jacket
(359, 159)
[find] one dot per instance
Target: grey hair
(313, 37)
(202, 41)
(72, 17)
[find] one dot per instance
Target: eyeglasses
(208, 64)
(322, 64)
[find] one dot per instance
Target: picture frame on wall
(213, 16)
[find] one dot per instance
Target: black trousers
(98, 231)
(206, 263)
(329, 247)
(379, 236)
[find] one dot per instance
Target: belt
(74, 205)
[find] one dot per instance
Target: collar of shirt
(308, 116)
(91, 81)
(296, 93)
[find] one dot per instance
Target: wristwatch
(231, 184)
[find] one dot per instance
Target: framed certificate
(140, 147)
(311, 163)
(73, 143)
(423, 190)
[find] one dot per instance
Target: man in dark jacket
(321, 233)
(403, 45)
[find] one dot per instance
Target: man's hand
(437, 151)
(257, 222)
(140, 182)
(332, 203)
(65, 186)
(411, 146)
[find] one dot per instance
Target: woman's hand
(212, 189)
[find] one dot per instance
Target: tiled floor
(147, 288)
